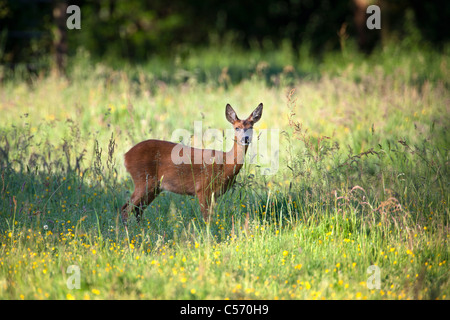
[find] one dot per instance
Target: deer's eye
(237, 129)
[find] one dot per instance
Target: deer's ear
(230, 114)
(256, 114)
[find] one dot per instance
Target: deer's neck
(235, 158)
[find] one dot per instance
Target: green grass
(362, 179)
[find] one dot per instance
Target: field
(358, 208)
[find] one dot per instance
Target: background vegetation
(362, 180)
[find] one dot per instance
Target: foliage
(137, 30)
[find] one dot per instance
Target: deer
(153, 169)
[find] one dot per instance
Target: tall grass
(362, 180)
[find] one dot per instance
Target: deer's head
(243, 128)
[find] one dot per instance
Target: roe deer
(153, 169)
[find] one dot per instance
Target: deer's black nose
(246, 139)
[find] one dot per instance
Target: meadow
(363, 178)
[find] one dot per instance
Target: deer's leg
(205, 205)
(134, 204)
(142, 196)
(124, 213)
(145, 201)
